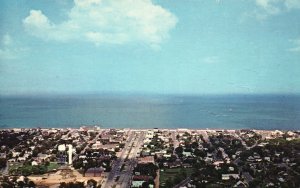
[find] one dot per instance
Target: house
(250, 159)
(11, 160)
(34, 163)
(150, 134)
(227, 176)
(96, 146)
(42, 156)
(208, 159)
(137, 183)
(15, 154)
(267, 159)
(82, 156)
(145, 153)
(290, 133)
(145, 160)
(105, 138)
(241, 184)
(110, 147)
(187, 165)
(174, 164)
(186, 154)
(26, 155)
(167, 155)
(161, 152)
(2, 155)
(270, 184)
(217, 163)
(21, 178)
(21, 159)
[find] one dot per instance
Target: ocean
(152, 111)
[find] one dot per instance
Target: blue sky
(167, 47)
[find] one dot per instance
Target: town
(117, 158)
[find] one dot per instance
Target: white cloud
(268, 8)
(8, 49)
(105, 21)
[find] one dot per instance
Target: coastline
(149, 128)
(146, 129)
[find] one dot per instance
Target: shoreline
(145, 129)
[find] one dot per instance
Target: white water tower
(70, 151)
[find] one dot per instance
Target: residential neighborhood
(95, 157)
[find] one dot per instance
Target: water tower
(70, 151)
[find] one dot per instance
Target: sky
(144, 46)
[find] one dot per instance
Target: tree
(183, 173)
(35, 152)
(195, 145)
(169, 183)
(145, 185)
(26, 180)
(47, 163)
(2, 163)
(91, 183)
(179, 150)
(71, 185)
(6, 185)
(21, 184)
(199, 153)
(31, 184)
(62, 185)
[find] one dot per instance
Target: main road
(115, 171)
(125, 177)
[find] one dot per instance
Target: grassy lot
(171, 173)
(52, 165)
(13, 166)
(29, 169)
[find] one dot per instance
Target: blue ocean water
(148, 111)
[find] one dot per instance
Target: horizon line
(113, 93)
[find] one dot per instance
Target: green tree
(91, 183)
(145, 185)
(169, 183)
(179, 150)
(2, 163)
(31, 184)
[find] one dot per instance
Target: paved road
(115, 171)
(244, 143)
(125, 178)
(175, 141)
(130, 150)
(183, 183)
